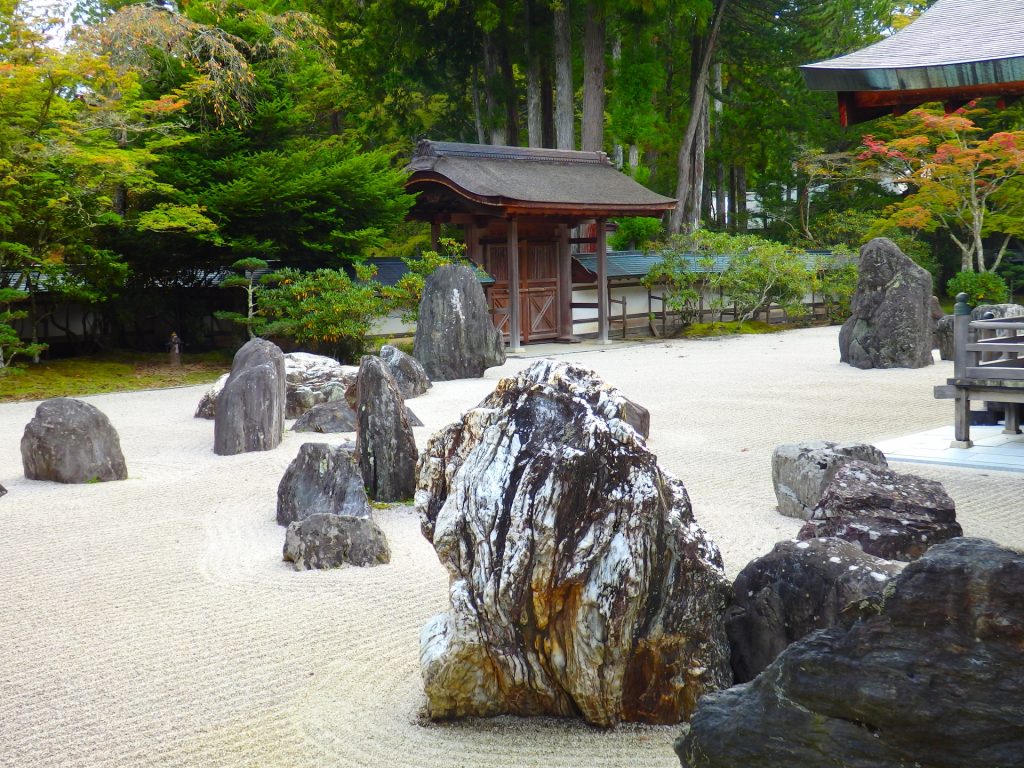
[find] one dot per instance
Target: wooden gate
(538, 290)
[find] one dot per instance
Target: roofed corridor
(152, 621)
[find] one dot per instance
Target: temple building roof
(502, 181)
(956, 51)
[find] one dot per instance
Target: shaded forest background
(158, 141)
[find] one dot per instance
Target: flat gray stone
(330, 541)
(327, 418)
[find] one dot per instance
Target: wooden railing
(623, 317)
(988, 365)
(990, 349)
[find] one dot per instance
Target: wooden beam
(564, 256)
(435, 234)
(515, 341)
(602, 282)
(861, 106)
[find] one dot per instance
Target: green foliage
(980, 287)
(835, 281)
(760, 273)
(766, 276)
(961, 181)
(245, 279)
(635, 232)
(11, 345)
(325, 310)
(405, 295)
(686, 278)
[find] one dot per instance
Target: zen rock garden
(580, 584)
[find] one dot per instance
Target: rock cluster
(581, 584)
(69, 441)
(309, 381)
(890, 515)
(932, 677)
(798, 587)
(322, 479)
(250, 408)
(455, 338)
(802, 471)
(314, 379)
(322, 501)
(890, 325)
(385, 445)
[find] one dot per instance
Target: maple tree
(958, 179)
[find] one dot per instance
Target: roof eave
(984, 72)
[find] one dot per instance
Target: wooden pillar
(602, 283)
(435, 234)
(1011, 422)
(512, 254)
(474, 250)
(564, 284)
(962, 402)
(961, 420)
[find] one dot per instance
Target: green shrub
(635, 232)
(835, 280)
(325, 310)
(980, 287)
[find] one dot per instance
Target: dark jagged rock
(802, 471)
(385, 445)
(250, 409)
(888, 514)
(944, 337)
(321, 480)
(409, 375)
(934, 679)
(336, 416)
(798, 587)
(330, 541)
(3, 491)
(890, 325)
(68, 441)
(581, 584)
(455, 338)
(314, 379)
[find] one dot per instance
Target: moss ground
(114, 372)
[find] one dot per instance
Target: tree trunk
(593, 77)
(741, 199)
(477, 119)
(493, 122)
(547, 108)
(700, 144)
(508, 93)
(716, 136)
(686, 158)
(534, 116)
(564, 136)
(732, 198)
